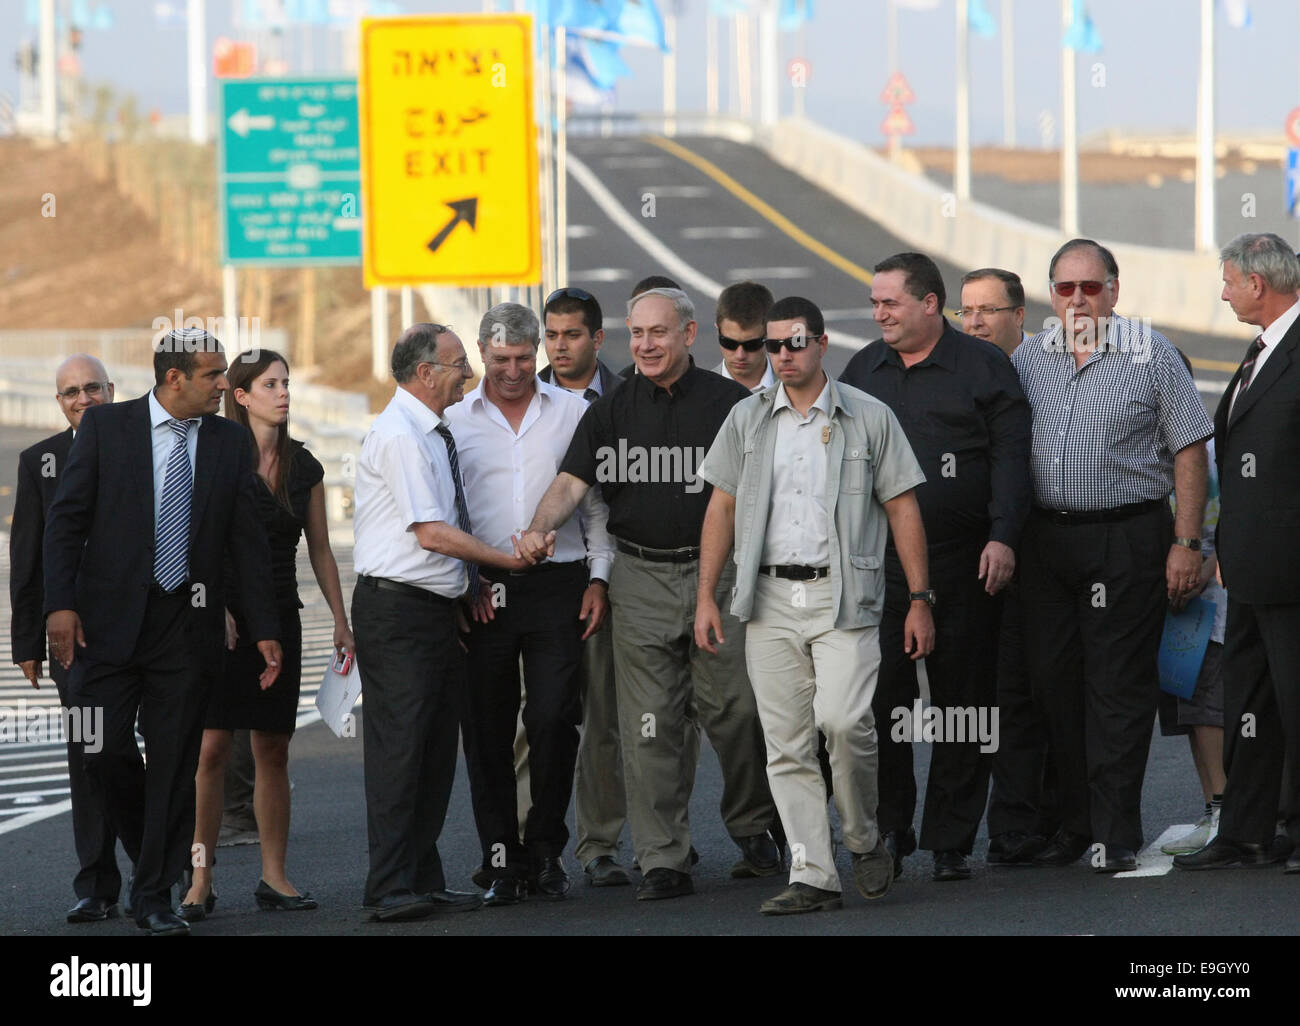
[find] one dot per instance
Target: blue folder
(1182, 648)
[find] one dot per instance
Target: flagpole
(1008, 78)
(745, 78)
(196, 15)
(711, 64)
(891, 47)
(1205, 165)
(670, 74)
(48, 56)
(769, 78)
(561, 160)
(1069, 133)
(961, 161)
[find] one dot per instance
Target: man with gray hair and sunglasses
(1254, 432)
(643, 445)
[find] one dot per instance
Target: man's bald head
(81, 382)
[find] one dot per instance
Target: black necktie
(1248, 364)
(462, 510)
(591, 395)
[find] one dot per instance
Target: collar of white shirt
(158, 413)
(416, 412)
(769, 378)
(823, 401)
(478, 402)
(1275, 332)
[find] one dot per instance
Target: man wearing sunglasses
(642, 444)
(80, 382)
(740, 312)
(1118, 425)
(961, 406)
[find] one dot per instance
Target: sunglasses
(581, 295)
(1065, 289)
(750, 345)
(795, 343)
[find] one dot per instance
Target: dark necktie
(1248, 364)
(172, 531)
(591, 395)
(462, 510)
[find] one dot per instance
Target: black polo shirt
(643, 446)
(969, 425)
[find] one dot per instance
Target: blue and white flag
(1238, 13)
(638, 19)
(979, 19)
(794, 13)
(1082, 34)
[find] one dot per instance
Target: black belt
(1065, 518)
(542, 568)
(685, 555)
(383, 584)
(795, 573)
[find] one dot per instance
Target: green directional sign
(289, 171)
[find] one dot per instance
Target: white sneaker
(1206, 829)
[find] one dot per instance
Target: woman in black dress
(291, 500)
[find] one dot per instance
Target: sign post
(449, 151)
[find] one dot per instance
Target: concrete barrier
(1171, 287)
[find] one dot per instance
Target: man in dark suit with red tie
(1255, 431)
(80, 383)
(156, 493)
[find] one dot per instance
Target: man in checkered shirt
(1118, 425)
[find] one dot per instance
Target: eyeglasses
(1065, 289)
(581, 295)
(794, 343)
(750, 345)
(91, 389)
(461, 365)
(989, 311)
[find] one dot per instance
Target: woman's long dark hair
(241, 374)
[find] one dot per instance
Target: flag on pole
(1237, 13)
(980, 20)
(1082, 34)
(102, 19)
(599, 59)
(794, 13)
(638, 19)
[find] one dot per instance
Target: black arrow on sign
(464, 210)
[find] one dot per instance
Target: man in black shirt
(960, 404)
(643, 444)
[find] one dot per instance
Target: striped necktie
(1248, 364)
(172, 531)
(462, 510)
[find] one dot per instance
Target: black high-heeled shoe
(196, 912)
(271, 900)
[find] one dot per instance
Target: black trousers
(1024, 798)
(1261, 721)
(538, 622)
(413, 679)
(92, 834)
(1095, 599)
(166, 683)
(962, 674)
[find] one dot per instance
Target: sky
(1144, 81)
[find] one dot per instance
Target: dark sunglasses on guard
(750, 345)
(794, 343)
(568, 292)
(1065, 289)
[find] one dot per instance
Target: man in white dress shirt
(415, 557)
(739, 315)
(513, 432)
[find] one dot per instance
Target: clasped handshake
(534, 546)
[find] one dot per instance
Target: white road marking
(666, 260)
(706, 232)
(35, 816)
(760, 273)
(581, 231)
(851, 313)
(676, 191)
(633, 162)
(1151, 860)
(599, 274)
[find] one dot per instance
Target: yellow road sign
(449, 151)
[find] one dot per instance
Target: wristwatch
(1189, 543)
(922, 596)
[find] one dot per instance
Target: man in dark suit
(80, 382)
(156, 493)
(1255, 429)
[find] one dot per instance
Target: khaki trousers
(808, 676)
(665, 686)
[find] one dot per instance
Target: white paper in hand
(338, 693)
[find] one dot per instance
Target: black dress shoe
(1014, 848)
(401, 906)
(759, 856)
(1224, 854)
(1293, 863)
(900, 844)
(92, 910)
(1117, 859)
(506, 890)
(950, 865)
(801, 897)
(1063, 850)
(552, 882)
(664, 883)
(481, 878)
(270, 900)
(454, 901)
(604, 871)
(196, 912)
(164, 924)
